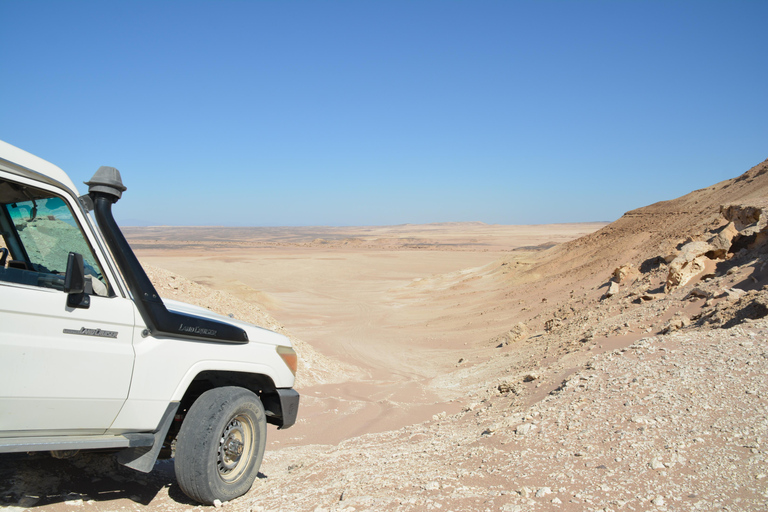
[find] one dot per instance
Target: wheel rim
(235, 448)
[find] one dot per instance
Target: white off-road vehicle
(93, 359)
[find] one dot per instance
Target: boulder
(745, 215)
(690, 262)
(693, 250)
(681, 271)
(722, 241)
(761, 239)
(624, 273)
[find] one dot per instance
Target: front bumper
(284, 408)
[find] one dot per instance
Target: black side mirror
(74, 282)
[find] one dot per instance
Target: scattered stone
(552, 324)
(505, 387)
(732, 294)
(676, 323)
(516, 333)
(523, 429)
(613, 289)
(698, 292)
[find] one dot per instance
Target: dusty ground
(474, 367)
(364, 304)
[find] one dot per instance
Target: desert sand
(358, 297)
(468, 367)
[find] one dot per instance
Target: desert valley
(472, 367)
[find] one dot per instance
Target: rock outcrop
(690, 262)
(746, 228)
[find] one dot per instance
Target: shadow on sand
(36, 480)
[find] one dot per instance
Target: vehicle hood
(256, 334)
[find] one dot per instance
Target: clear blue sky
(388, 112)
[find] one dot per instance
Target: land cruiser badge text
(92, 332)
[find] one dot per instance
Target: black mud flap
(143, 458)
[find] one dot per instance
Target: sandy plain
(368, 298)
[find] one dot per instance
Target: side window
(38, 233)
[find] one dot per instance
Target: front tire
(221, 444)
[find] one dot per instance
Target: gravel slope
(674, 422)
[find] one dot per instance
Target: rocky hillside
(644, 233)
(577, 274)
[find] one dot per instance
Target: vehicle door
(66, 369)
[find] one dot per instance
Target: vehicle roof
(34, 164)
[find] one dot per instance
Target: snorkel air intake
(104, 189)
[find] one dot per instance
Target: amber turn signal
(289, 357)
